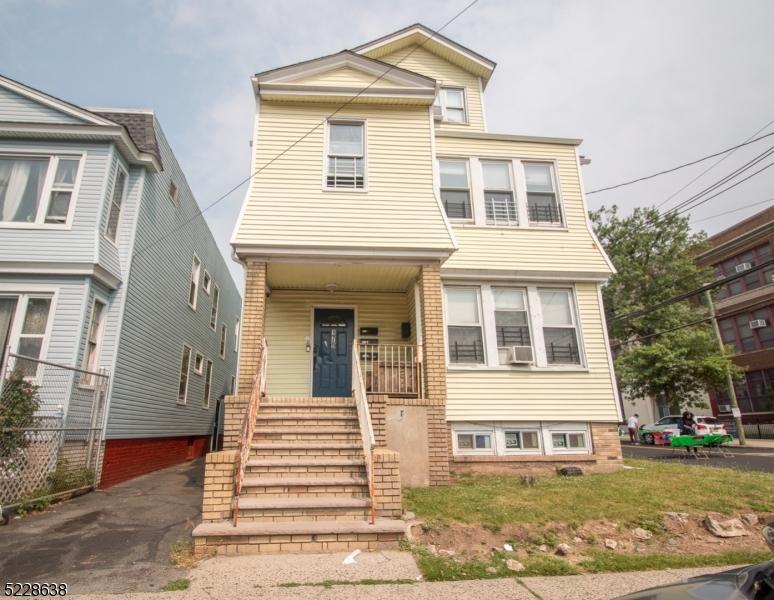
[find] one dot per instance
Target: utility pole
(729, 379)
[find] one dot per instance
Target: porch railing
(392, 369)
(366, 427)
(257, 392)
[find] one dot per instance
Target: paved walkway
(260, 577)
(109, 541)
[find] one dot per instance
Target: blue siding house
(106, 263)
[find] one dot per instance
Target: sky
(647, 84)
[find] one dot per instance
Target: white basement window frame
(345, 155)
(567, 438)
(514, 438)
(474, 441)
(39, 190)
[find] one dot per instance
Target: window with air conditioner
(455, 189)
(499, 205)
(346, 156)
(745, 266)
(450, 102)
(514, 343)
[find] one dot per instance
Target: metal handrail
(392, 368)
(366, 427)
(257, 392)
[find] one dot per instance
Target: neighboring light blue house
(105, 263)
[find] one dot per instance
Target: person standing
(633, 424)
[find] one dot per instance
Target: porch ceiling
(346, 277)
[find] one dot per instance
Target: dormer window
(346, 156)
(452, 103)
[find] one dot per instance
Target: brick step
(305, 471)
(330, 508)
(306, 462)
(305, 434)
(304, 419)
(308, 400)
(305, 407)
(304, 485)
(254, 481)
(298, 536)
(279, 449)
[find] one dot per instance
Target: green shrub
(18, 404)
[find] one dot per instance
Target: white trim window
(94, 338)
(172, 193)
(25, 327)
(464, 329)
(520, 438)
(568, 440)
(185, 369)
(223, 340)
(206, 282)
(37, 189)
(455, 189)
(116, 202)
(511, 314)
(345, 168)
(499, 204)
(207, 384)
(215, 307)
(542, 204)
(193, 288)
(452, 103)
(198, 363)
(560, 327)
(237, 325)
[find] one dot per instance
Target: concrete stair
(305, 486)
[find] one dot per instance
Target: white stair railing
(366, 427)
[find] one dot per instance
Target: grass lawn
(634, 496)
(631, 498)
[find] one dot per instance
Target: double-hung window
(214, 309)
(542, 205)
(511, 324)
(499, 204)
(206, 282)
(223, 340)
(116, 201)
(560, 330)
(185, 367)
(193, 288)
(91, 357)
(236, 335)
(464, 327)
(455, 189)
(207, 384)
(452, 103)
(37, 189)
(23, 327)
(346, 156)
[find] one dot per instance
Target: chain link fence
(51, 419)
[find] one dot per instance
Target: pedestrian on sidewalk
(633, 424)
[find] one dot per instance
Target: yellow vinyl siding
(347, 77)
(289, 323)
(426, 63)
(570, 249)
(548, 395)
(288, 207)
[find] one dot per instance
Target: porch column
(251, 335)
(434, 358)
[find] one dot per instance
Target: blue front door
(333, 337)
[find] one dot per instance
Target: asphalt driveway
(109, 541)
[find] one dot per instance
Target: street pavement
(753, 458)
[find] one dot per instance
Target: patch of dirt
(683, 534)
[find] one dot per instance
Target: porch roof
(345, 277)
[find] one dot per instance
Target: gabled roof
(385, 80)
(131, 133)
(450, 50)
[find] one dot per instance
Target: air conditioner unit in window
(757, 323)
(437, 112)
(724, 408)
(745, 266)
(520, 355)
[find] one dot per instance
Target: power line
(677, 168)
(640, 338)
(684, 296)
(713, 165)
(728, 212)
(305, 135)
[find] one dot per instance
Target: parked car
(704, 425)
(755, 582)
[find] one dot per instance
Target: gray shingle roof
(139, 125)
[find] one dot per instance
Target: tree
(654, 258)
(18, 405)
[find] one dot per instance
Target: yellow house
(433, 286)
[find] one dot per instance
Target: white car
(704, 425)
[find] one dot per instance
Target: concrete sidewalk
(260, 577)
